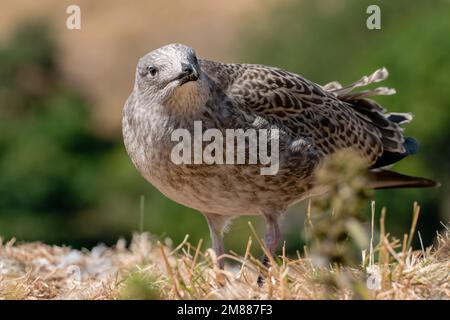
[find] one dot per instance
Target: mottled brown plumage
(173, 89)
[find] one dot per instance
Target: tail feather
(386, 179)
(395, 145)
(388, 125)
(400, 118)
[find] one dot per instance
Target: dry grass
(148, 269)
(331, 266)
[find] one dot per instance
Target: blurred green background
(65, 177)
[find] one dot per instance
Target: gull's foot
(261, 280)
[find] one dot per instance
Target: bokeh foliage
(49, 155)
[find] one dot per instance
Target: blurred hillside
(66, 177)
(100, 59)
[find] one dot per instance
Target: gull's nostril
(187, 68)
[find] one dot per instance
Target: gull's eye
(152, 70)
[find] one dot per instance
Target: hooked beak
(188, 73)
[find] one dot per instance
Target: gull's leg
(272, 236)
(271, 240)
(217, 224)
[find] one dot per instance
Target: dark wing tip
(411, 145)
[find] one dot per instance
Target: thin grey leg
(271, 241)
(217, 224)
(272, 236)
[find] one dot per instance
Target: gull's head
(167, 73)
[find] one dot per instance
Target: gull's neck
(190, 98)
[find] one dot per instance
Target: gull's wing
(331, 116)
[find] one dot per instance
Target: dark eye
(152, 70)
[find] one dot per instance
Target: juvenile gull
(173, 89)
